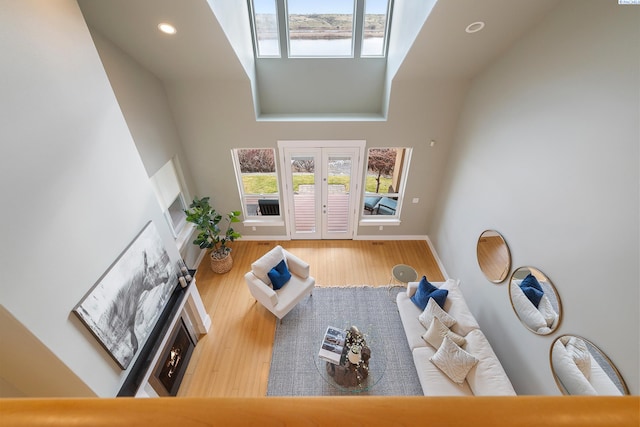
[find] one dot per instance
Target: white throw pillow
(436, 333)
(546, 309)
(453, 361)
(434, 310)
(269, 260)
(579, 352)
(526, 311)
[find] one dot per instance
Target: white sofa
(486, 378)
(280, 301)
(580, 374)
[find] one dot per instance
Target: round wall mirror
(494, 257)
(535, 300)
(581, 368)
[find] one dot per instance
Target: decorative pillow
(263, 265)
(436, 333)
(434, 310)
(421, 297)
(579, 352)
(533, 294)
(279, 275)
(531, 282)
(453, 361)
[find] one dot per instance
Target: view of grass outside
(266, 183)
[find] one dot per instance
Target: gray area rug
(298, 338)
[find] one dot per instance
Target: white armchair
(280, 301)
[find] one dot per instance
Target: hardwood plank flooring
(233, 359)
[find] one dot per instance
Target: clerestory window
(320, 28)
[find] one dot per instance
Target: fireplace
(174, 358)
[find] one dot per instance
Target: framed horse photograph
(124, 305)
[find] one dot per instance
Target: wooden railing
(366, 411)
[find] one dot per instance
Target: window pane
(177, 215)
(375, 24)
(258, 178)
(320, 28)
(384, 181)
(303, 184)
(266, 27)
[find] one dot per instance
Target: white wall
(144, 104)
(74, 189)
(213, 118)
(546, 152)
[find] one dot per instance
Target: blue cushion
(531, 282)
(440, 296)
(370, 202)
(425, 291)
(534, 295)
(279, 275)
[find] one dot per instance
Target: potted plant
(211, 236)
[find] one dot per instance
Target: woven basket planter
(223, 265)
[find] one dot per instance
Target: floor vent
(377, 243)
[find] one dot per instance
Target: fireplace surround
(184, 311)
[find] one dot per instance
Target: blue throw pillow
(531, 282)
(534, 295)
(425, 291)
(279, 275)
(439, 296)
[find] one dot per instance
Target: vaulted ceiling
(428, 42)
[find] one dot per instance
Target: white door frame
(354, 147)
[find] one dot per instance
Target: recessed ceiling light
(167, 28)
(474, 27)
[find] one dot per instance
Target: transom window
(320, 28)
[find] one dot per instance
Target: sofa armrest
(297, 266)
(412, 287)
(261, 291)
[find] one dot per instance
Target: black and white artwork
(124, 306)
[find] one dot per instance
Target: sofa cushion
(437, 331)
(279, 275)
(434, 310)
(453, 361)
(567, 372)
(579, 352)
(533, 294)
(262, 266)
(409, 315)
(457, 307)
(488, 377)
(432, 380)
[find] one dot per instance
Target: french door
(321, 187)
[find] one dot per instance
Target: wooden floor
(233, 359)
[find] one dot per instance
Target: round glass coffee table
(404, 273)
(377, 365)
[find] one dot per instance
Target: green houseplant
(211, 234)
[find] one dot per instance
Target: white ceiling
(442, 48)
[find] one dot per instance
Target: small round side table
(404, 273)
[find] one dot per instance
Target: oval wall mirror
(535, 300)
(581, 368)
(494, 257)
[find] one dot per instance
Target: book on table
(332, 349)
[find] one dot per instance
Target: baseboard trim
(437, 258)
(376, 237)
